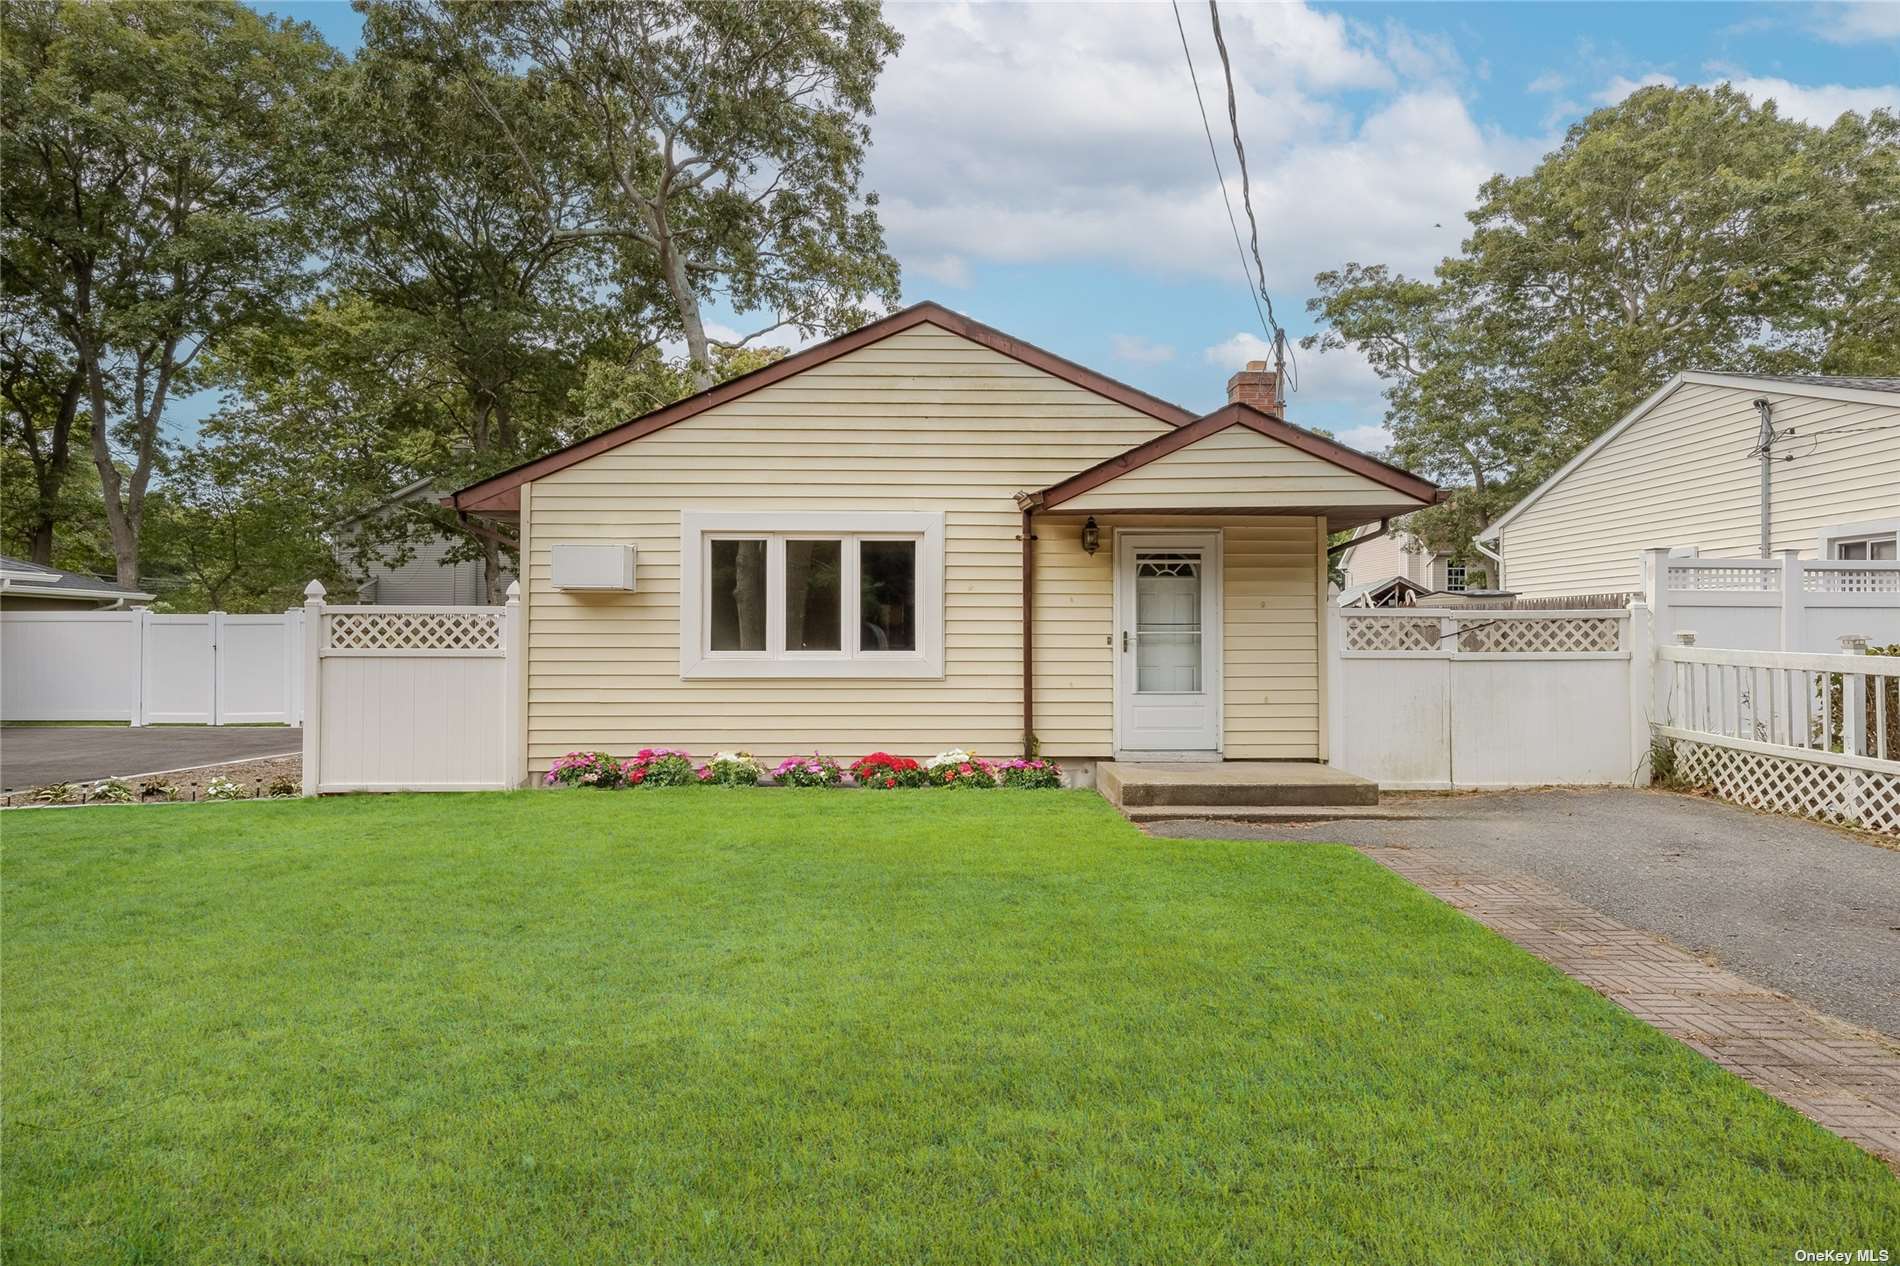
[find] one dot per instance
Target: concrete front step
(1230, 784)
(1268, 814)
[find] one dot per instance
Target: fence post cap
(1853, 644)
(1685, 638)
(514, 591)
(314, 591)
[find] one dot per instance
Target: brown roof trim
(1400, 481)
(502, 491)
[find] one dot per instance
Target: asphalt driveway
(1799, 907)
(34, 755)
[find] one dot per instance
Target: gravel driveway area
(1803, 908)
(34, 755)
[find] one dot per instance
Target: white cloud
(1819, 104)
(1865, 22)
(946, 269)
(1235, 351)
(1367, 439)
(1622, 85)
(1140, 351)
(1043, 133)
(1548, 82)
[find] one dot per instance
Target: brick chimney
(1256, 385)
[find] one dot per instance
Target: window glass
(1882, 551)
(1167, 623)
(738, 596)
(1850, 551)
(814, 591)
(887, 595)
(1454, 577)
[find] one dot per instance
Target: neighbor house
(928, 534)
(427, 575)
(1683, 471)
(28, 586)
(1378, 557)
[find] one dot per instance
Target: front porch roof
(1239, 460)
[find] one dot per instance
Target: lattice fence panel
(414, 631)
(1742, 577)
(1785, 784)
(1392, 633)
(1557, 635)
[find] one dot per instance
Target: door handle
(1124, 641)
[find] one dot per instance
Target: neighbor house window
(1454, 577)
(811, 595)
(1872, 549)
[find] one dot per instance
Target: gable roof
(1242, 415)
(503, 491)
(1826, 386)
(21, 577)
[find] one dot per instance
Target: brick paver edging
(1841, 1077)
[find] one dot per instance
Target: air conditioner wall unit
(594, 568)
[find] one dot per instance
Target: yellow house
(928, 534)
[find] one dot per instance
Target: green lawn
(705, 1026)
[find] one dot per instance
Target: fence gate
(1421, 698)
(412, 699)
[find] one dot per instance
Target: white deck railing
(1817, 735)
(1784, 604)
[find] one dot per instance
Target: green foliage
(805, 1026)
(112, 791)
(59, 793)
(1682, 228)
(733, 769)
(155, 158)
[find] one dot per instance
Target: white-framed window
(1874, 549)
(1869, 541)
(811, 594)
(1454, 577)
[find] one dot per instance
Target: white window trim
(697, 527)
(1464, 577)
(1836, 534)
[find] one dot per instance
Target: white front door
(1168, 655)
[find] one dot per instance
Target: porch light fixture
(1091, 536)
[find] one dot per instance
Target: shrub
(808, 771)
(660, 767)
(1032, 773)
(113, 791)
(158, 789)
(732, 769)
(222, 788)
(882, 771)
(280, 787)
(58, 793)
(585, 769)
(958, 768)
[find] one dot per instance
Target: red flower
(890, 782)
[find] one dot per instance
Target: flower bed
(960, 769)
(1031, 773)
(881, 771)
(660, 767)
(808, 771)
(585, 769)
(732, 769)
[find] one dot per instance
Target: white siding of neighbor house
(922, 420)
(1384, 557)
(429, 579)
(1684, 474)
(1238, 467)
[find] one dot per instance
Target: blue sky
(1043, 168)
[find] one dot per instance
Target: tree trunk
(491, 572)
(698, 352)
(123, 526)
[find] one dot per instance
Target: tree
(231, 530)
(41, 385)
(153, 159)
(1682, 228)
(727, 140)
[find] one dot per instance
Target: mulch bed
(252, 775)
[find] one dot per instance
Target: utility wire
(1246, 183)
(1213, 152)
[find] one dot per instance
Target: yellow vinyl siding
(1684, 474)
(1237, 468)
(922, 420)
(1270, 627)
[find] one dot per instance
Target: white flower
(955, 756)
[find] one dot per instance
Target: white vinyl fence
(148, 669)
(1784, 604)
(1817, 735)
(1423, 698)
(413, 698)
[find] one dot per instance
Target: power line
(1246, 183)
(1213, 152)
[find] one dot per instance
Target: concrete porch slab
(1127, 784)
